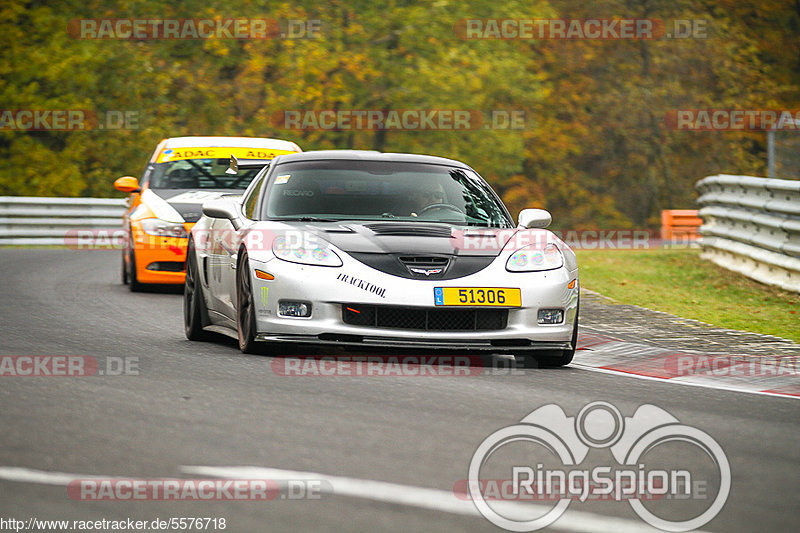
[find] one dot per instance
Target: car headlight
(162, 228)
(533, 258)
(306, 251)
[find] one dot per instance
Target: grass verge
(680, 283)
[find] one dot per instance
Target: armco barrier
(752, 226)
(28, 220)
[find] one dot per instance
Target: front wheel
(133, 281)
(195, 313)
(564, 357)
(555, 359)
(125, 278)
(245, 312)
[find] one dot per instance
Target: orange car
(182, 173)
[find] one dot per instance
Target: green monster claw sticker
(264, 292)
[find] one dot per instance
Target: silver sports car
(380, 250)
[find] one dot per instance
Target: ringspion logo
(543, 458)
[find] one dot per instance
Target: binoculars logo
(566, 442)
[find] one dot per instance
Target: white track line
(425, 498)
(42, 477)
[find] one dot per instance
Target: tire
(245, 311)
(124, 271)
(559, 358)
(134, 284)
(565, 356)
(195, 312)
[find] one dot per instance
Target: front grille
(427, 266)
(385, 316)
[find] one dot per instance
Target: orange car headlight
(162, 228)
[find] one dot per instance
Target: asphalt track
(204, 409)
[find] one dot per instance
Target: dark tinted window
(370, 190)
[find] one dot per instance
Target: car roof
(367, 155)
(255, 143)
(228, 142)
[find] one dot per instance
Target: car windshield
(199, 174)
(377, 190)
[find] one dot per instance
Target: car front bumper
(329, 292)
(160, 260)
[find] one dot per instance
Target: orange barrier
(679, 224)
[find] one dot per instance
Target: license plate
(477, 296)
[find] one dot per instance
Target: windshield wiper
(309, 219)
(462, 222)
(479, 224)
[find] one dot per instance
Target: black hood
(191, 209)
(416, 250)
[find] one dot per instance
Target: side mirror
(222, 208)
(127, 184)
(534, 218)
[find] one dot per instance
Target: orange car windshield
(199, 174)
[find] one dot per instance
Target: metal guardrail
(28, 220)
(752, 226)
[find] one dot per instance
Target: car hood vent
(411, 230)
(423, 261)
(337, 229)
(424, 267)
